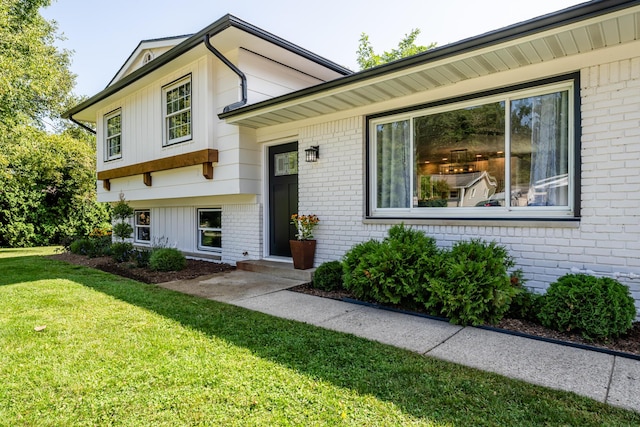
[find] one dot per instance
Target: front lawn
(118, 352)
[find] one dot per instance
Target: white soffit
(589, 35)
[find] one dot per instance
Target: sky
(102, 34)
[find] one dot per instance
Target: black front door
(283, 197)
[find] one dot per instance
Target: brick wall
(607, 242)
(241, 232)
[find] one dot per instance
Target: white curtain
(393, 169)
(549, 150)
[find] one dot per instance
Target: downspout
(243, 78)
(85, 127)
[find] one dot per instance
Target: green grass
(118, 352)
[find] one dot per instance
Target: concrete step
(276, 269)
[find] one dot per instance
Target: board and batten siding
(606, 240)
(177, 226)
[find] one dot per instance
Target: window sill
(571, 222)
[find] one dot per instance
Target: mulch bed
(195, 268)
(629, 343)
(626, 344)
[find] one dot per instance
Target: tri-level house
(528, 135)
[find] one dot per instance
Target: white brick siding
(606, 241)
(241, 232)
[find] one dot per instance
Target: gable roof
(578, 29)
(164, 43)
(226, 32)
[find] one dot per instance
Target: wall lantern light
(312, 154)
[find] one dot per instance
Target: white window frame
(166, 117)
(137, 226)
(547, 212)
(199, 230)
(109, 138)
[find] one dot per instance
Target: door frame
(266, 221)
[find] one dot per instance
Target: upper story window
(505, 155)
(176, 99)
(113, 135)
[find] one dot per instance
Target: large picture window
(113, 135)
(177, 111)
(501, 155)
(210, 229)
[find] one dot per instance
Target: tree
(47, 181)
(367, 58)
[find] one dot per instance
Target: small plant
(525, 304)
(328, 276)
(167, 259)
(472, 285)
(597, 307)
(122, 251)
(81, 246)
(122, 212)
(142, 257)
(304, 225)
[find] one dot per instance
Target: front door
(283, 197)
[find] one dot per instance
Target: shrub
(472, 284)
(525, 304)
(390, 271)
(597, 307)
(122, 251)
(142, 257)
(328, 276)
(167, 259)
(81, 246)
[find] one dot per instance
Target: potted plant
(303, 249)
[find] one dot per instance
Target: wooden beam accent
(207, 170)
(180, 161)
(106, 184)
(146, 177)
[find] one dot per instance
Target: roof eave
(536, 25)
(195, 40)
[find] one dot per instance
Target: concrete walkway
(607, 378)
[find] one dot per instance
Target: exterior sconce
(312, 154)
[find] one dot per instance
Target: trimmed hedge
(328, 276)
(597, 307)
(167, 259)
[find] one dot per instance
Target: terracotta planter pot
(303, 252)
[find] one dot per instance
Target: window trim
(569, 82)
(107, 137)
(136, 227)
(166, 142)
(199, 229)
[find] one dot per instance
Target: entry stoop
(276, 269)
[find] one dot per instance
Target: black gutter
(539, 24)
(243, 78)
(221, 24)
(82, 125)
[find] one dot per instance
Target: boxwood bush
(167, 259)
(328, 276)
(596, 307)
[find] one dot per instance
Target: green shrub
(167, 259)
(471, 285)
(328, 276)
(142, 257)
(390, 271)
(122, 251)
(597, 307)
(81, 246)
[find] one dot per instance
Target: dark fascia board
(539, 24)
(221, 24)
